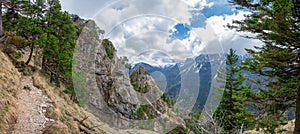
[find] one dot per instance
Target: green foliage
(108, 48)
(61, 33)
(51, 48)
(192, 123)
(141, 113)
(138, 83)
(57, 83)
(195, 125)
(178, 130)
(170, 102)
(70, 90)
(276, 24)
(232, 111)
(135, 86)
(125, 62)
(6, 108)
(44, 25)
(17, 55)
(25, 24)
(141, 89)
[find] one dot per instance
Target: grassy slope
(9, 86)
(64, 105)
(9, 82)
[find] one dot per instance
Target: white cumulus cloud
(138, 26)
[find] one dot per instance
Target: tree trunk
(297, 122)
(230, 109)
(30, 56)
(44, 64)
(37, 60)
(1, 26)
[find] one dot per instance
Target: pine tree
(277, 24)
(25, 18)
(48, 30)
(232, 113)
(59, 44)
(61, 32)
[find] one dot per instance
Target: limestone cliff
(154, 103)
(110, 93)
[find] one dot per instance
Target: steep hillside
(70, 117)
(9, 82)
(106, 95)
(29, 104)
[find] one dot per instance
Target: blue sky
(179, 28)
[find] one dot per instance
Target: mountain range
(203, 68)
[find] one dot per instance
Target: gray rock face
(121, 96)
(108, 91)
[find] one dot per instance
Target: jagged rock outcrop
(153, 102)
(138, 79)
(110, 94)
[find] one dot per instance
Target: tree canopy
(276, 24)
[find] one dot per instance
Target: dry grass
(63, 104)
(288, 127)
(57, 128)
(9, 85)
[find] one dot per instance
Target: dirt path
(32, 104)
